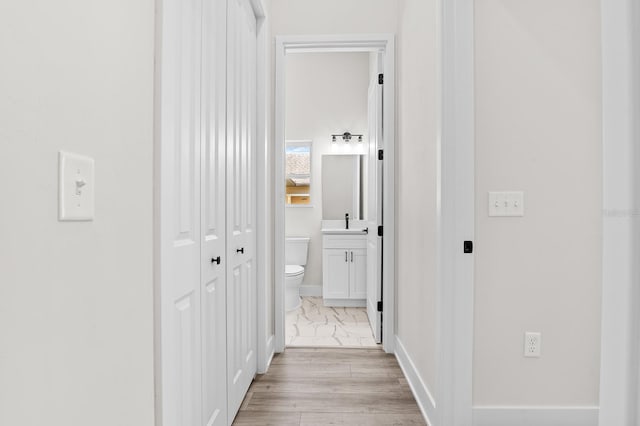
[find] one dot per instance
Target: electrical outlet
(532, 344)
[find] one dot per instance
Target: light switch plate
(506, 203)
(76, 187)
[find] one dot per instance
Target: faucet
(346, 219)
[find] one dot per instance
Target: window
(298, 173)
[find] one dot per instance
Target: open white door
(241, 206)
(180, 213)
(374, 207)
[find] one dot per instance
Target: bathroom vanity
(344, 266)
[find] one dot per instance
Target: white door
(214, 257)
(241, 208)
(180, 213)
(374, 207)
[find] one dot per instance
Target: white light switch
(76, 187)
(506, 203)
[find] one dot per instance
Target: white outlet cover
(532, 344)
(76, 187)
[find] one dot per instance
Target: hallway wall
(538, 129)
(76, 299)
(418, 103)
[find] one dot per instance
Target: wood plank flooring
(314, 387)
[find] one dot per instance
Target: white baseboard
(270, 352)
(420, 390)
(345, 303)
(535, 416)
(311, 290)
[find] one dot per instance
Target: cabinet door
(335, 270)
(358, 274)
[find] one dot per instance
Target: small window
(298, 173)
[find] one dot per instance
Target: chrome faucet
(346, 219)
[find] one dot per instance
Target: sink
(342, 231)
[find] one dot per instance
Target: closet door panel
(180, 212)
(241, 104)
(213, 214)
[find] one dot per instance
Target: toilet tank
(295, 250)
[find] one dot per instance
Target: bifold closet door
(180, 234)
(213, 215)
(241, 238)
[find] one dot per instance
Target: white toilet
(295, 256)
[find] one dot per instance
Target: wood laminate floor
(314, 387)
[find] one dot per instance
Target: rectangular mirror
(342, 186)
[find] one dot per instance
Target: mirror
(342, 186)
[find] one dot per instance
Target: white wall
(417, 117)
(326, 93)
(538, 118)
(76, 301)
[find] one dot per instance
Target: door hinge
(468, 247)
(380, 78)
(380, 231)
(380, 154)
(379, 306)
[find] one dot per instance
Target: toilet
(295, 256)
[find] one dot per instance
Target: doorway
(346, 274)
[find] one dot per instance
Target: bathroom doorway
(331, 147)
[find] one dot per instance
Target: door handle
(346, 256)
(351, 257)
(240, 250)
(215, 260)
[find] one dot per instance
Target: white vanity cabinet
(344, 269)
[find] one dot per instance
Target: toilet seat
(293, 270)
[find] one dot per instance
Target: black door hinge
(380, 78)
(380, 230)
(379, 306)
(468, 246)
(380, 154)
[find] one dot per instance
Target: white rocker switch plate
(76, 187)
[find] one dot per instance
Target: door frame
(337, 43)
(453, 403)
(619, 365)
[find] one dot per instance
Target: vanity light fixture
(346, 137)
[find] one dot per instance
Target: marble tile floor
(316, 325)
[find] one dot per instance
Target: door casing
(337, 43)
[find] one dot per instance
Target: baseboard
(269, 352)
(345, 303)
(420, 390)
(535, 416)
(311, 290)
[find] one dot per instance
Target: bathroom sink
(342, 231)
